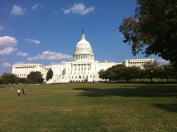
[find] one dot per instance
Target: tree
(168, 71)
(118, 70)
(34, 77)
(134, 72)
(22, 80)
(109, 74)
(153, 27)
(102, 74)
(49, 74)
(160, 72)
(142, 74)
(40, 80)
(151, 69)
(9, 78)
(1, 80)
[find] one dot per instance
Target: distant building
(136, 62)
(82, 68)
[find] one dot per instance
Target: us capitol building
(82, 68)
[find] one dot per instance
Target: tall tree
(49, 74)
(153, 27)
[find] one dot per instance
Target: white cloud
(17, 10)
(42, 7)
(19, 63)
(55, 12)
(55, 63)
(50, 56)
(35, 7)
(6, 65)
(1, 27)
(7, 50)
(33, 40)
(78, 8)
(7, 41)
(163, 61)
(21, 54)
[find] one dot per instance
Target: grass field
(85, 107)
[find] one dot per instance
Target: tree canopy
(153, 27)
(150, 70)
(9, 78)
(35, 77)
(49, 74)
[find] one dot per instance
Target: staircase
(59, 79)
(53, 79)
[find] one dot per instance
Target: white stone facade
(136, 62)
(22, 70)
(82, 68)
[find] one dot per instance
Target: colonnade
(77, 67)
(83, 56)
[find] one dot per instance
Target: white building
(136, 62)
(82, 68)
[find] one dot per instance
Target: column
(86, 68)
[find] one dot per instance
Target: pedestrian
(22, 91)
(18, 91)
(11, 88)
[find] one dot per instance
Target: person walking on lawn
(18, 91)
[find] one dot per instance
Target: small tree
(10, 78)
(22, 80)
(34, 77)
(40, 80)
(102, 74)
(49, 74)
(151, 69)
(1, 80)
(134, 72)
(168, 71)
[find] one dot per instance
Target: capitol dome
(83, 50)
(83, 43)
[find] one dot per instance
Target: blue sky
(48, 31)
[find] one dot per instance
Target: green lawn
(85, 107)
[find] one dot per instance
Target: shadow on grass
(168, 107)
(130, 91)
(138, 91)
